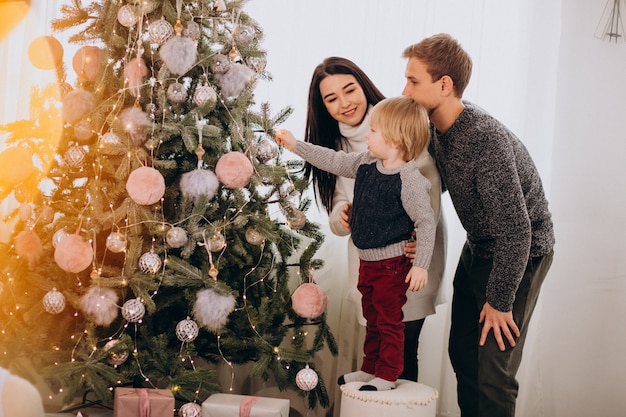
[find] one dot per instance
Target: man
(499, 199)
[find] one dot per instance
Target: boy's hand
(417, 278)
(286, 138)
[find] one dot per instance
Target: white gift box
(228, 405)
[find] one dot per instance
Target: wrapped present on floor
(232, 405)
(143, 402)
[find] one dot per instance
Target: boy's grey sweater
(388, 203)
(498, 196)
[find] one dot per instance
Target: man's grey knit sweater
(388, 203)
(498, 196)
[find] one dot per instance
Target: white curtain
(537, 67)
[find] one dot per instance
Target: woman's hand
(417, 278)
(344, 216)
(286, 138)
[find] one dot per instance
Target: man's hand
(502, 324)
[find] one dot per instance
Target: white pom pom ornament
(199, 182)
(212, 309)
(145, 186)
(100, 304)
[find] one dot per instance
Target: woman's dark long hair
(322, 129)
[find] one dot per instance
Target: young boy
(391, 200)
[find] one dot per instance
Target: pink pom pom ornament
(145, 186)
(73, 254)
(234, 170)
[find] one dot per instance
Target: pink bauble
(73, 254)
(45, 52)
(86, 62)
(309, 300)
(234, 170)
(145, 186)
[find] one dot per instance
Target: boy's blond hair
(404, 123)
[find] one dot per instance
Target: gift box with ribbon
(232, 405)
(143, 402)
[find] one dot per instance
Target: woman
(341, 96)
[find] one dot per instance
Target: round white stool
(408, 399)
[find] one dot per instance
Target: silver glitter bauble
(133, 310)
(58, 237)
(54, 301)
(126, 16)
(190, 410)
(177, 93)
(296, 219)
(115, 359)
(306, 379)
(83, 131)
(187, 330)
(254, 237)
(265, 150)
(150, 263)
(110, 138)
(75, 156)
(116, 242)
(160, 31)
(243, 35)
(204, 94)
(257, 63)
(176, 237)
(217, 242)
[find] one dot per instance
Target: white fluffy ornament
(199, 182)
(54, 301)
(187, 330)
(309, 300)
(234, 169)
(306, 379)
(29, 246)
(211, 309)
(76, 104)
(145, 186)
(179, 53)
(136, 123)
(190, 410)
(100, 304)
(232, 77)
(73, 254)
(133, 310)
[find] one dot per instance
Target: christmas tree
(156, 223)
